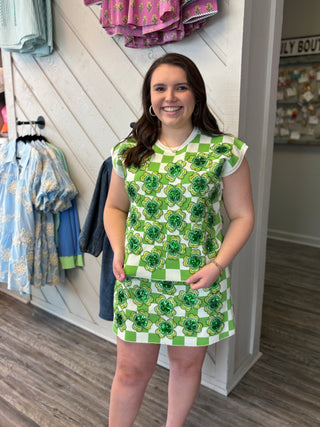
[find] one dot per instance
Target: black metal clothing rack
(40, 122)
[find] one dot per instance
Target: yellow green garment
(174, 228)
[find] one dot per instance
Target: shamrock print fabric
(174, 228)
(167, 312)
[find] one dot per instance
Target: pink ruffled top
(146, 23)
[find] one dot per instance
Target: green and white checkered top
(174, 222)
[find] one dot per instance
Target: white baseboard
(294, 238)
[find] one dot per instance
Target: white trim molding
(294, 237)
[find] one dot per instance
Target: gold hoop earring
(151, 112)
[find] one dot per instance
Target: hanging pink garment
(90, 2)
(145, 23)
(198, 10)
(162, 37)
(131, 17)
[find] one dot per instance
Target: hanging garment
(90, 2)
(26, 26)
(68, 229)
(151, 23)
(93, 239)
(33, 187)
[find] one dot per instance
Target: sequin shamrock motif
(120, 320)
(132, 190)
(199, 162)
(213, 194)
(133, 169)
(124, 147)
(151, 182)
(142, 295)
(175, 195)
(127, 282)
(210, 247)
(215, 287)
(153, 260)
(191, 325)
(166, 328)
(165, 306)
(152, 209)
(140, 321)
(194, 237)
(175, 170)
(198, 184)
(197, 210)
(217, 169)
(134, 243)
(210, 220)
(189, 300)
(122, 296)
(174, 247)
(222, 149)
(213, 303)
(175, 220)
(215, 324)
(194, 261)
(153, 232)
(166, 286)
(133, 218)
(144, 166)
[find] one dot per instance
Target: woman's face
(172, 98)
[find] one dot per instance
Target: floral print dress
(155, 22)
(174, 228)
(33, 187)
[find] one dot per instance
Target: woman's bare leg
(184, 381)
(135, 365)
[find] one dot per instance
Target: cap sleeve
(116, 160)
(118, 157)
(238, 152)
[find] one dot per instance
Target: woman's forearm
(115, 225)
(238, 233)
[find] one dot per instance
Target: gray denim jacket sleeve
(92, 234)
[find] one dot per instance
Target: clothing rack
(40, 122)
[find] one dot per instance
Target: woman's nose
(171, 95)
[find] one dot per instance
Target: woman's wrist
(218, 265)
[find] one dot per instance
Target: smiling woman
(173, 102)
(163, 221)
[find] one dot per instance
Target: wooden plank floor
(55, 374)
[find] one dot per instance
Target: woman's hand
(204, 278)
(118, 270)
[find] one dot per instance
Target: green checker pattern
(174, 228)
(163, 312)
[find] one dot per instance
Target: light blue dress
(32, 188)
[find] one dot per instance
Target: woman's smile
(172, 98)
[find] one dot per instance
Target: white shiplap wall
(88, 90)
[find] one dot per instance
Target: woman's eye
(159, 89)
(182, 88)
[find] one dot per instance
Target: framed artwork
(298, 97)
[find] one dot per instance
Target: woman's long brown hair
(147, 129)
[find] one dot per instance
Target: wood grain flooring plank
(11, 417)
